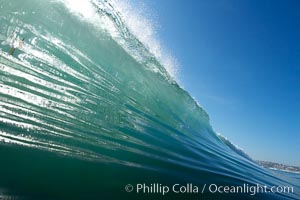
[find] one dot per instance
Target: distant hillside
(274, 165)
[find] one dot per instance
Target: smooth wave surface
(86, 108)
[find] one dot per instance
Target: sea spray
(86, 109)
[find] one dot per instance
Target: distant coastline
(277, 166)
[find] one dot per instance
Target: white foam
(141, 26)
(81, 8)
(145, 30)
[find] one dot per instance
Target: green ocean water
(86, 108)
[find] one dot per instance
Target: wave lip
(83, 90)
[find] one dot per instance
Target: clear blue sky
(241, 61)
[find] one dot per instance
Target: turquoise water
(86, 108)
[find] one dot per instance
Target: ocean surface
(87, 107)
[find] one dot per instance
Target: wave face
(86, 108)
